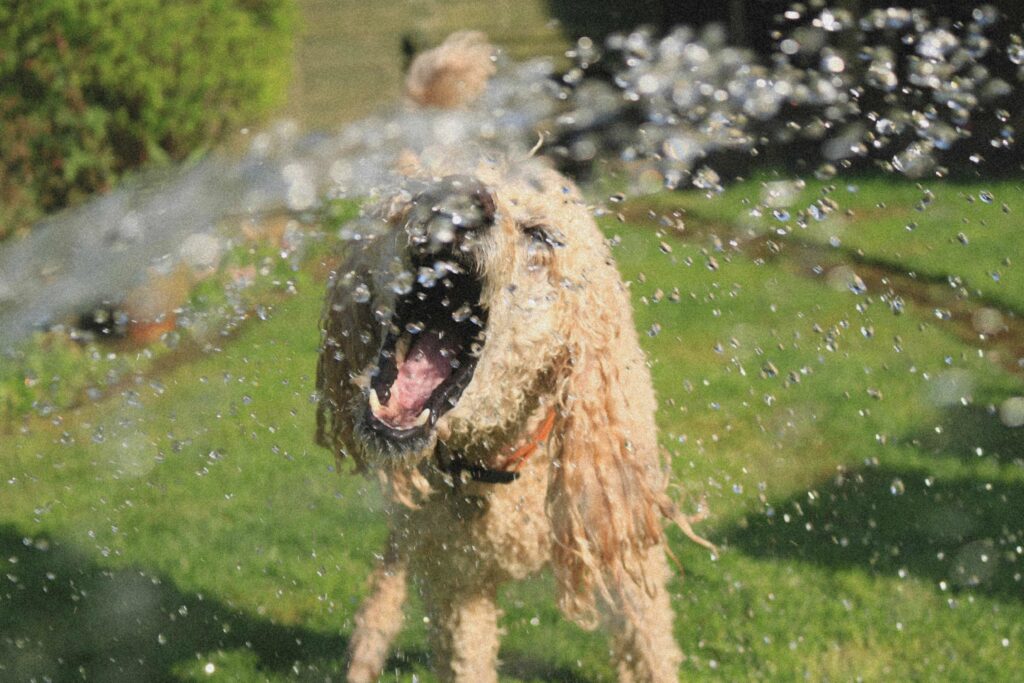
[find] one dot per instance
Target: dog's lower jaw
(382, 453)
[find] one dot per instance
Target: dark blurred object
(104, 320)
(748, 22)
(955, 72)
(409, 50)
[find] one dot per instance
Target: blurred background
(816, 204)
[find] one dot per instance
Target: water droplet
(402, 282)
(462, 313)
(1015, 51)
(825, 172)
(1011, 412)
(171, 339)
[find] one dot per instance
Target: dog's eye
(540, 234)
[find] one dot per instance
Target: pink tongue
(424, 369)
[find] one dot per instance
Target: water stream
(908, 97)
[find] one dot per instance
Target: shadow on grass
(890, 521)
(971, 432)
(64, 617)
(525, 667)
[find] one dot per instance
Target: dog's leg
(379, 618)
(642, 641)
(463, 633)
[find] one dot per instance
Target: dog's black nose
(448, 211)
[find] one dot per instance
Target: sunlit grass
(189, 524)
(857, 501)
(964, 233)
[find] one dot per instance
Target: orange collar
(515, 460)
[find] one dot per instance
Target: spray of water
(895, 88)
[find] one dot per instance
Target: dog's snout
(449, 211)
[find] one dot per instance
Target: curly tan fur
(591, 500)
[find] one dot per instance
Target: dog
(452, 75)
(479, 355)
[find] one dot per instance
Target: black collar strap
(452, 464)
(479, 473)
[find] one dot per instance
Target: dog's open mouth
(428, 358)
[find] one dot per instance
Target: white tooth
(422, 419)
(374, 401)
(402, 349)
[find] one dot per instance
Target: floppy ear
(350, 340)
(606, 499)
(347, 346)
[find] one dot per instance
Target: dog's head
(454, 312)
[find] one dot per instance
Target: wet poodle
(479, 355)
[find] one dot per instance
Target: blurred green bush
(92, 88)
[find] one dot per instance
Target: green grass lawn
(967, 234)
(867, 496)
